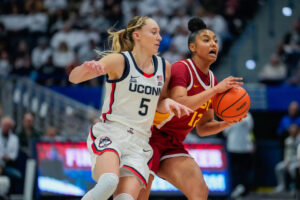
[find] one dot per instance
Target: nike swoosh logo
(196, 85)
(146, 150)
(134, 76)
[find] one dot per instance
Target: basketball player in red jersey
(193, 85)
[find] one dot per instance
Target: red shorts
(164, 146)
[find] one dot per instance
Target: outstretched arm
(112, 64)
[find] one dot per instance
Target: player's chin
(212, 60)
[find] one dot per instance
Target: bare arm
(179, 93)
(112, 64)
(209, 126)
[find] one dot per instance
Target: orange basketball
(231, 105)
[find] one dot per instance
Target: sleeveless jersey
(180, 127)
(132, 99)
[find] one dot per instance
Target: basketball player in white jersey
(135, 90)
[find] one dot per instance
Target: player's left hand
(169, 105)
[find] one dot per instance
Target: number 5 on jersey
(144, 107)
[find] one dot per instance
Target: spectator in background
(62, 57)
(51, 134)
(87, 52)
(292, 117)
(274, 72)
(291, 47)
(1, 114)
(22, 62)
(9, 148)
(88, 7)
(5, 66)
(41, 53)
(54, 5)
(240, 146)
(286, 169)
(27, 133)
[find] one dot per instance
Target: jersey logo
(104, 142)
(133, 79)
(130, 130)
(144, 89)
(146, 150)
(196, 85)
(159, 80)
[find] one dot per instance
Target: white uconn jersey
(132, 99)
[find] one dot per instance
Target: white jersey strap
(211, 82)
(191, 75)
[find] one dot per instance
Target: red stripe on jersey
(148, 75)
(136, 173)
(92, 135)
(99, 152)
(111, 101)
(150, 163)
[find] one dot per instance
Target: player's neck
(201, 64)
(143, 60)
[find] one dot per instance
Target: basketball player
(192, 84)
(119, 147)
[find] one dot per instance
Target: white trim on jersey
(174, 155)
(211, 83)
(165, 121)
(191, 75)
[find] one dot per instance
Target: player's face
(206, 46)
(149, 36)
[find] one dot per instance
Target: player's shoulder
(180, 63)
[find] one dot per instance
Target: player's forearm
(211, 128)
(79, 74)
(195, 101)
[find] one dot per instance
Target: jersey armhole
(164, 67)
(191, 75)
(125, 72)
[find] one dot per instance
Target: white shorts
(133, 148)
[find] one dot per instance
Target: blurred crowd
(16, 146)
(283, 66)
(45, 39)
(288, 170)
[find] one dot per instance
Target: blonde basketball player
(135, 90)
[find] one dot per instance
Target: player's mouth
(213, 53)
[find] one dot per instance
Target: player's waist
(130, 128)
(179, 137)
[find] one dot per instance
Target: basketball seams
(220, 102)
(234, 103)
(246, 110)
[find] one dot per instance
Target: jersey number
(195, 120)
(144, 107)
(197, 116)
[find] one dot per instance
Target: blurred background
(45, 119)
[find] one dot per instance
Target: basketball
(231, 105)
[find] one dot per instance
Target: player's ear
(136, 35)
(192, 47)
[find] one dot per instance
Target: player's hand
(168, 106)
(236, 121)
(94, 67)
(228, 83)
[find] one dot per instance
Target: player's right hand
(228, 83)
(94, 67)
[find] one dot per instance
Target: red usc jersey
(186, 74)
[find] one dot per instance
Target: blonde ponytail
(122, 40)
